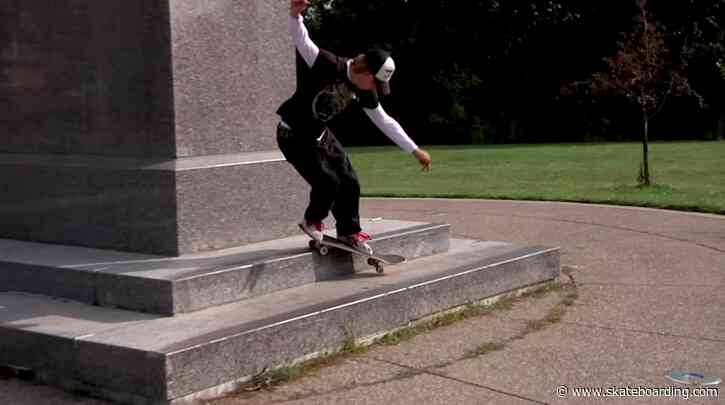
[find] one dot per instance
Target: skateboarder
(326, 85)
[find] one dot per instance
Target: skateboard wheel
(312, 244)
(324, 250)
(372, 262)
(379, 268)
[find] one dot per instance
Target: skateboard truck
(321, 249)
(376, 261)
(372, 260)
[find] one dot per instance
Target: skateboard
(377, 261)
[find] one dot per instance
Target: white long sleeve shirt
(333, 98)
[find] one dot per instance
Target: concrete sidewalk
(650, 300)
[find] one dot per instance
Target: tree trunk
(513, 130)
(721, 127)
(644, 170)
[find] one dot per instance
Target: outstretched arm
(392, 129)
(300, 36)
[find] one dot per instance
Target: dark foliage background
(488, 71)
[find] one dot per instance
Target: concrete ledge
(148, 359)
(189, 283)
(150, 206)
(137, 163)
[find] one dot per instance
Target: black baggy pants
(326, 167)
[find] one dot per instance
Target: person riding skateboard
(326, 85)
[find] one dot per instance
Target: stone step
(172, 285)
(142, 358)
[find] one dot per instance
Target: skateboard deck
(377, 261)
(384, 258)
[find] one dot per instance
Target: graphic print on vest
(332, 100)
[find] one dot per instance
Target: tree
(696, 32)
(482, 64)
(643, 72)
(493, 70)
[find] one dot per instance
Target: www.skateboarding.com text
(564, 391)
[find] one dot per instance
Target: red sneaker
(358, 241)
(313, 229)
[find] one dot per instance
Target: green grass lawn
(686, 175)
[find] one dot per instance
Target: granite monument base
(166, 207)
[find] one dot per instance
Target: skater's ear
(359, 64)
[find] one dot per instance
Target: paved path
(651, 299)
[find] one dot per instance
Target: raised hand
(298, 7)
(423, 158)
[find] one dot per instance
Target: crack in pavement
(428, 371)
(623, 228)
(647, 332)
(411, 371)
(350, 386)
(594, 224)
(611, 284)
(572, 221)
